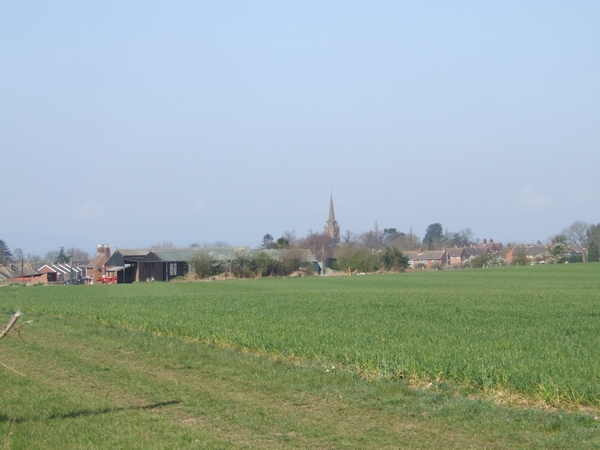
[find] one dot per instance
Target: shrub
(520, 259)
(357, 258)
(204, 265)
(393, 259)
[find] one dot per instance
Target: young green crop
(530, 330)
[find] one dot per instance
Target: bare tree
(407, 242)
(462, 238)
(349, 238)
(290, 236)
(321, 245)
(215, 244)
(577, 233)
(164, 244)
(51, 255)
(77, 254)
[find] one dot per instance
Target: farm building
(20, 273)
(133, 265)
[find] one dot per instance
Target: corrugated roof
(188, 254)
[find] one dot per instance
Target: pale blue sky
(130, 123)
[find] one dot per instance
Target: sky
(130, 123)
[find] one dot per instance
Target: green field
(529, 333)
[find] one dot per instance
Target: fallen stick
(11, 323)
(10, 368)
(9, 329)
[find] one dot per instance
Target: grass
(122, 366)
(96, 386)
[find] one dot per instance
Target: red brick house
(96, 267)
(427, 258)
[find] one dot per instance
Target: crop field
(527, 331)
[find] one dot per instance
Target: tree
(349, 238)
(18, 253)
(321, 245)
(290, 236)
(593, 243)
(218, 244)
(434, 236)
(62, 257)
(51, 255)
(559, 252)
(462, 238)
(577, 233)
(282, 243)
(593, 253)
(77, 254)
(390, 235)
(267, 241)
(5, 253)
(165, 244)
(407, 242)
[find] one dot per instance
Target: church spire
(332, 228)
(331, 213)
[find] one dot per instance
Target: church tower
(332, 228)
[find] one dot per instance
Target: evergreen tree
(5, 253)
(62, 257)
(593, 252)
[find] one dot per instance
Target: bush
(558, 253)
(245, 264)
(204, 265)
(485, 260)
(393, 259)
(520, 259)
(356, 258)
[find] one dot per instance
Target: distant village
(319, 253)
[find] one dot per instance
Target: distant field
(529, 330)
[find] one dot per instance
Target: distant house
(62, 273)
(532, 252)
(575, 251)
(489, 245)
(96, 269)
(427, 258)
(455, 256)
(474, 251)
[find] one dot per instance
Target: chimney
(107, 250)
(100, 249)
